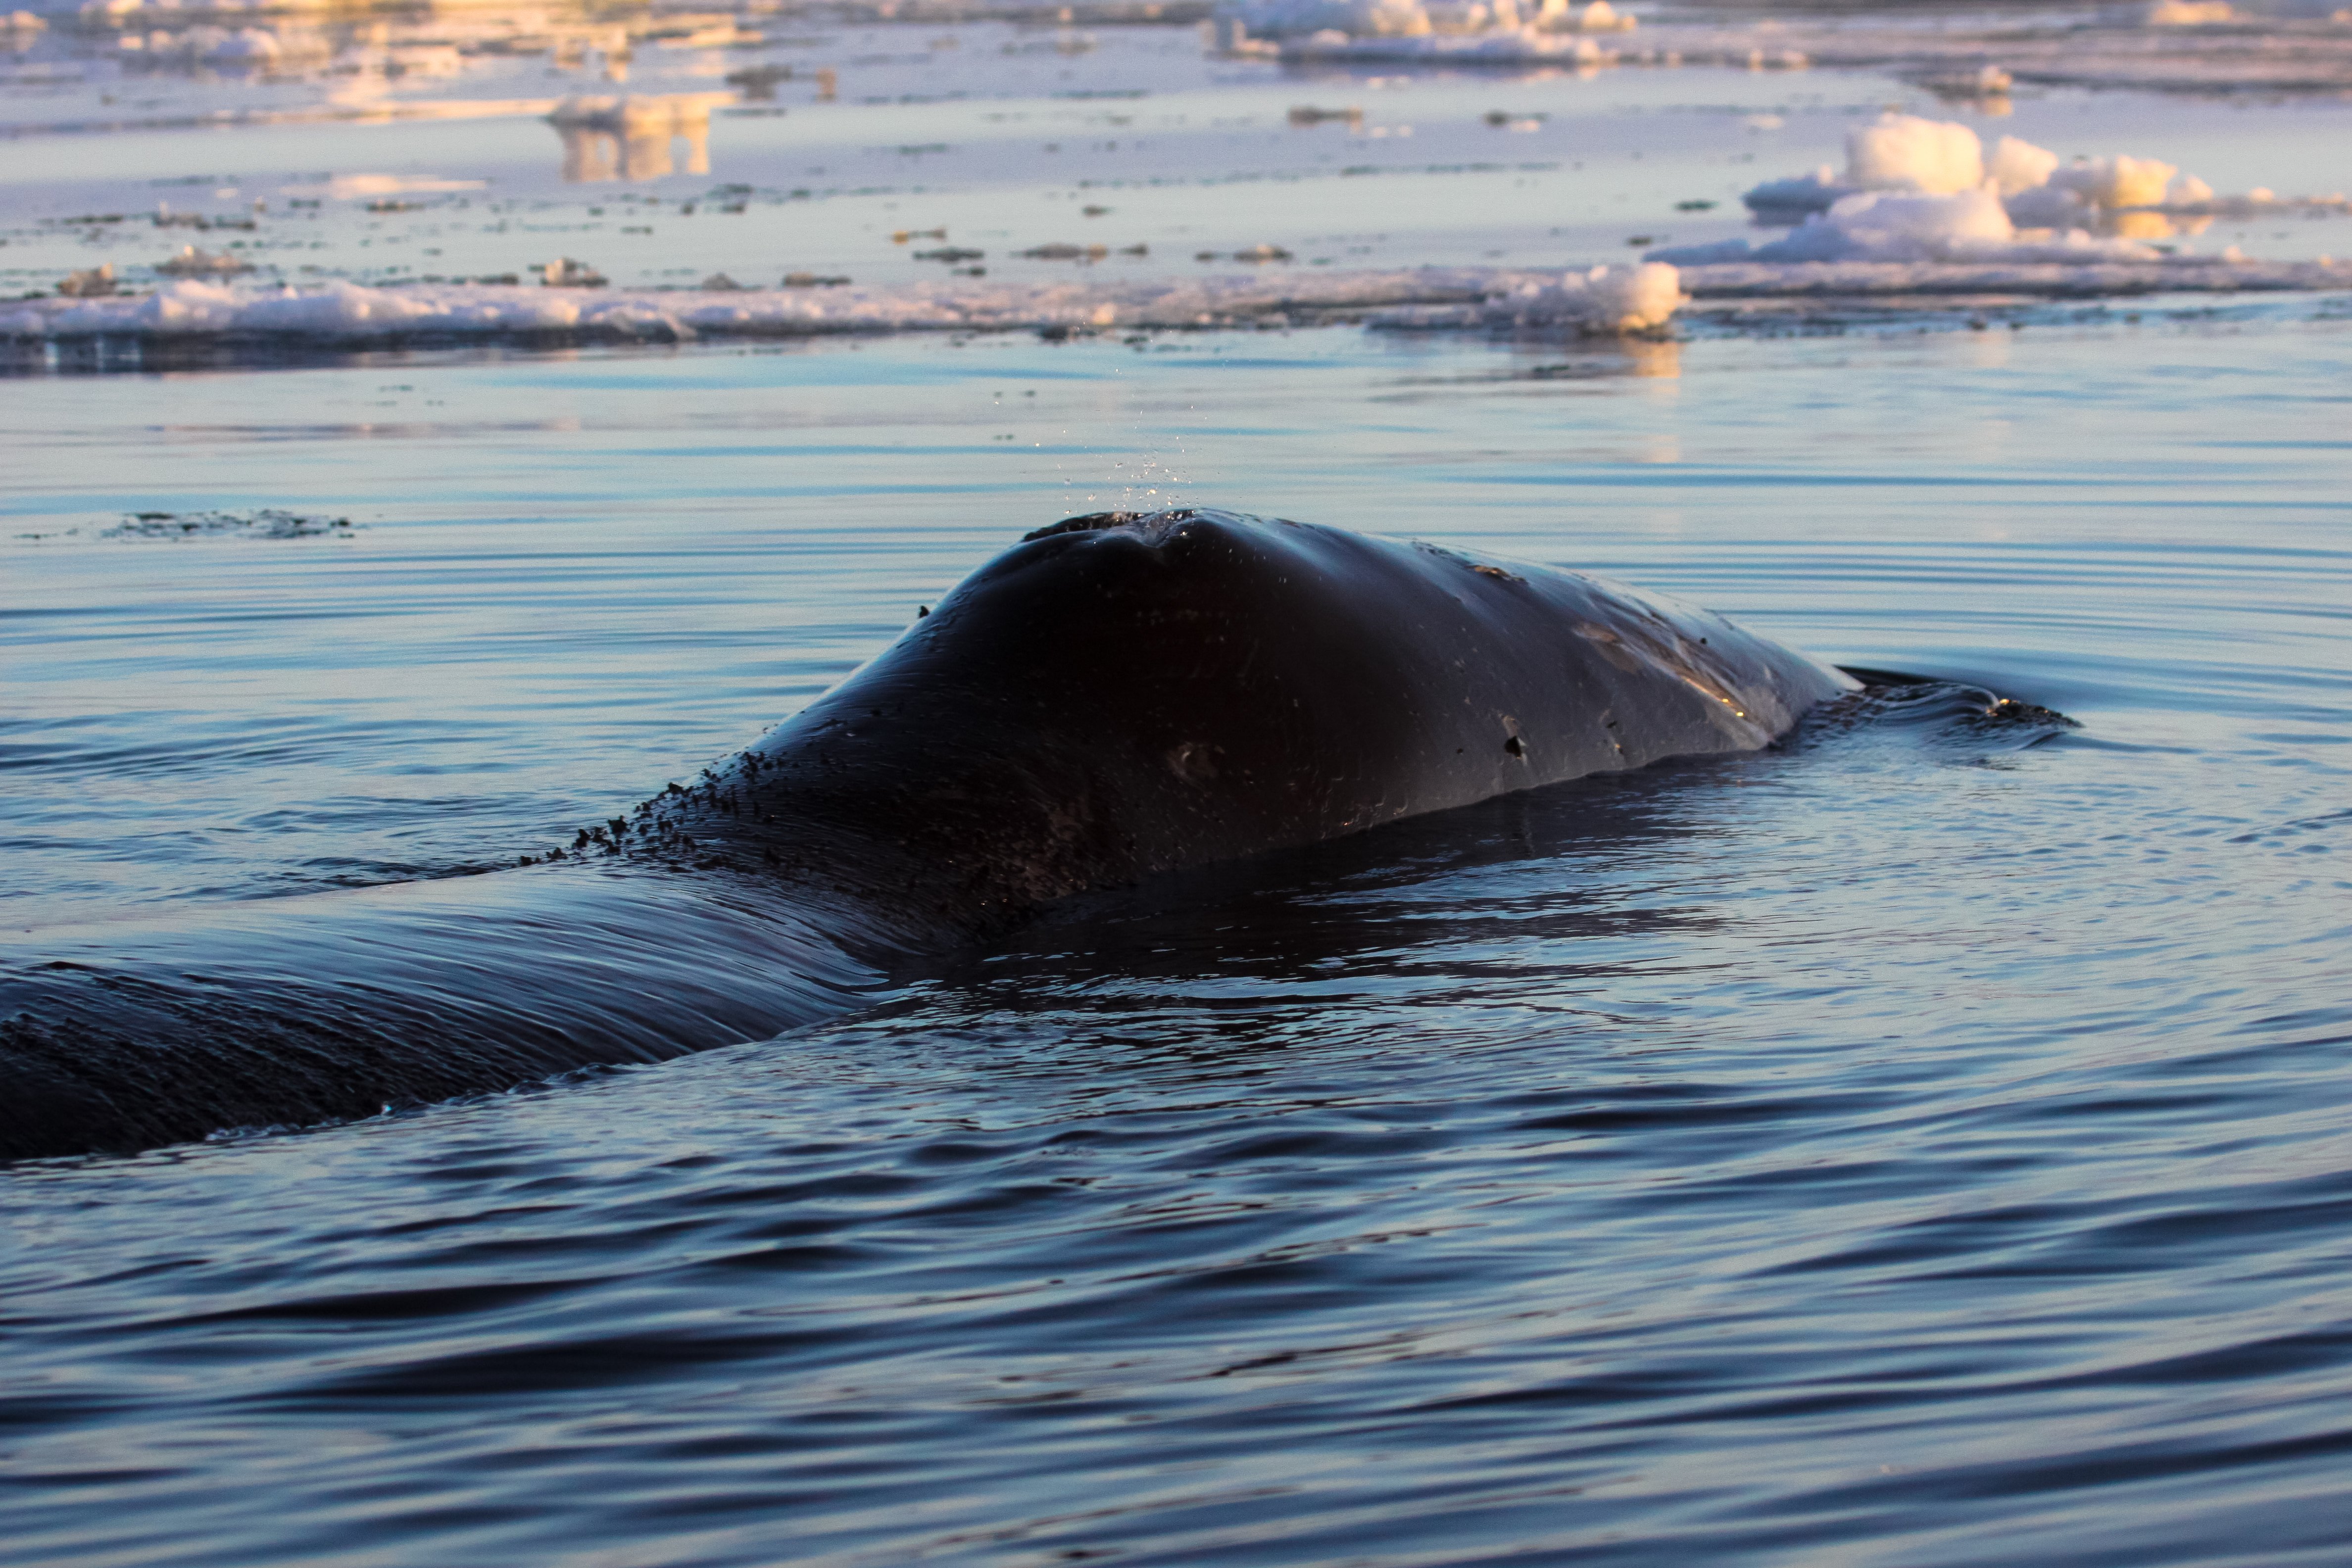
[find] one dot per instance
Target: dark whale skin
(1121, 695)
(1116, 696)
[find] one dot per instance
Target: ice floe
(225, 48)
(1977, 53)
(1923, 190)
(1444, 32)
(191, 262)
(1597, 300)
(1609, 299)
(1904, 152)
(2294, 44)
(1602, 299)
(89, 282)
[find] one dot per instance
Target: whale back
(1115, 696)
(1122, 694)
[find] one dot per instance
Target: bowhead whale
(1118, 695)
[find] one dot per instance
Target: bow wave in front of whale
(1116, 696)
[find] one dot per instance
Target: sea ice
(2018, 166)
(1501, 46)
(1354, 19)
(1903, 151)
(2168, 45)
(1605, 299)
(1462, 32)
(192, 263)
(1602, 299)
(89, 282)
(1917, 189)
(2118, 182)
(1601, 302)
(259, 49)
(1934, 157)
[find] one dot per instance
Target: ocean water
(1925, 1142)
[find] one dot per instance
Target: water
(1901, 1147)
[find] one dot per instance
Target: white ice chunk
(1603, 302)
(1636, 297)
(1903, 151)
(1610, 299)
(1891, 226)
(194, 263)
(1900, 153)
(2017, 166)
(2118, 181)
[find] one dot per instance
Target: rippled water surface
(1908, 1146)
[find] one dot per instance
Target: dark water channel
(1908, 1146)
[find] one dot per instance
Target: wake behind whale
(1117, 697)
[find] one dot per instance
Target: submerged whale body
(1116, 696)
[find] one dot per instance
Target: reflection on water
(630, 137)
(1658, 359)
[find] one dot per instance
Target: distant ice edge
(1600, 301)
